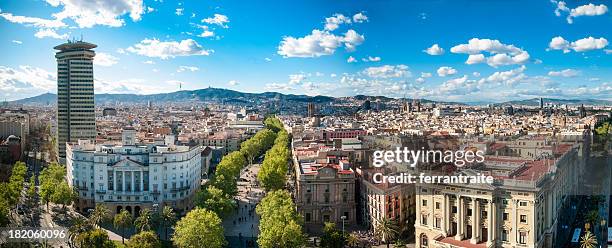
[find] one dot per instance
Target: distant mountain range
(232, 96)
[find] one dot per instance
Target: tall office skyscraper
(75, 94)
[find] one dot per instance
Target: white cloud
(297, 78)
(564, 73)
(149, 9)
(581, 45)
(33, 21)
(475, 59)
(232, 83)
(425, 74)
(267, 59)
(168, 49)
(206, 34)
(445, 71)
(460, 85)
(501, 54)
(150, 62)
(387, 71)
(505, 59)
(360, 17)
(318, 43)
(179, 12)
(105, 59)
(184, 68)
(26, 80)
(435, 49)
(583, 10)
(371, 59)
(100, 12)
(17, 42)
(476, 74)
(351, 59)
(332, 23)
(476, 46)
(420, 80)
(217, 19)
(50, 33)
(509, 78)
(277, 86)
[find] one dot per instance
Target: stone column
(133, 173)
(492, 223)
(460, 218)
(475, 220)
(515, 217)
(123, 181)
(114, 180)
(447, 215)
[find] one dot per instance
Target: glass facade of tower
(75, 94)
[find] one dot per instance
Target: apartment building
(520, 209)
(134, 176)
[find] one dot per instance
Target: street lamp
(343, 218)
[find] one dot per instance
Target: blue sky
(478, 50)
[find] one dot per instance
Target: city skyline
(427, 50)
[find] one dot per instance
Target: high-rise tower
(75, 94)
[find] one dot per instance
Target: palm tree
(352, 240)
(387, 230)
(122, 221)
(144, 222)
(79, 225)
(99, 215)
(588, 240)
(166, 219)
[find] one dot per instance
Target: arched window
(424, 240)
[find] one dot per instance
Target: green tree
(387, 230)
(588, 240)
(352, 240)
(95, 238)
(49, 178)
(63, 195)
(214, 199)
(122, 221)
(280, 224)
(78, 226)
(332, 237)
(99, 215)
(167, 218)
(144, 222)
(32, 187)
(199, 228)
(146, 239)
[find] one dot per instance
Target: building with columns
(134, 176)
(520, 209)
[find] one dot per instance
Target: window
(483, 214)
(522, 238)
(469, 212)
(308, 217)
(437, 222)
(523, 218)
(523, 204)
(504, 236)
(424, 219)
(454, 209)
(437, 205)
(347, 215)
(505, 216)
(424, 203)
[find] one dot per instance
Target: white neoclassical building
(134, 176)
